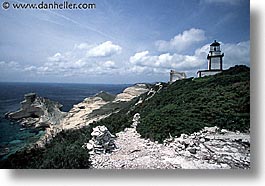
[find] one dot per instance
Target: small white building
(215, 61)
(174, 76)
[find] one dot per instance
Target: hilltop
(188, 105)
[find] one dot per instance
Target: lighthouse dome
(215, 43)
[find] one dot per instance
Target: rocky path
(206, 149)
(134, 152)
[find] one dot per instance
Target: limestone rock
(136, 120)
(102, 141)
(154, 90)
(77, 117)
(210, 129)
(37, 112)
(131, 92)
(225, 149)
(28, 108)
(91, 109)
(223, 131)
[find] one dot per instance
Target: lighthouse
(215, 58)
(215, 61)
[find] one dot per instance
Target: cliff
(100, 106)
(92, 109)
(131, 92)
(37, 112)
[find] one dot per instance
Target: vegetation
(65, 150)
(185, 106)
(188, 105)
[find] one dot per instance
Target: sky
(120, 42)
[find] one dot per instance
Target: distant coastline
(12, 135)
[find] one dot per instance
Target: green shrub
(188, 105)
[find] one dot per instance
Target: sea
(13, 136)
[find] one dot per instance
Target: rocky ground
(207, 149)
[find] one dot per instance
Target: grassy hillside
(188, 105)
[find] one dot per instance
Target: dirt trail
(134, 152)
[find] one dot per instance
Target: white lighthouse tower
(215, 61)
(215, 58)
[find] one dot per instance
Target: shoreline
(75, 118)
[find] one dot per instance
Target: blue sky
(121, 41)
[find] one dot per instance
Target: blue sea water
(12, 136)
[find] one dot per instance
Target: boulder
(202, 140)
(183, 136)
(136, 120)
(192, 150)
(102, 141)
(210, 130)
(223, 131)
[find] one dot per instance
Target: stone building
(174, 76)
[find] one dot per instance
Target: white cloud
(83, 46)
(104, 50)
(108, 64)
(77, 61)
(236, 53)
(29, 68)
(8, 65)
(138, 69)
(143, 62)
(166, 61)
(56, 57)
(182, 41)
(140, 56)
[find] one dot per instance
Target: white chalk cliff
(79, 116)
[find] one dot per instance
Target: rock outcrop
(132, 92)
(154, 90)
(102, 141)
(224, 148)
(86, 113)
(37, 112)
(29, 108)
(77, 117)
(136, 120)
